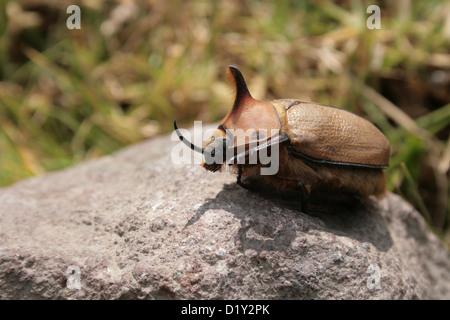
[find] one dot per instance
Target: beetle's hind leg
(290, 189)
(239, 177)
(304, 195)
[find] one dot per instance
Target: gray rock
(135, 225)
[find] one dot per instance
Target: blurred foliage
(135, 66)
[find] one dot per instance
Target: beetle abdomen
(326, 134)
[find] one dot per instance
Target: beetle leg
(304, 195)
(292, 188)
(239, 174)
(248, 182)
(239, 178)
(248, 186)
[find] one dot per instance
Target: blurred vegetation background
(135, 66)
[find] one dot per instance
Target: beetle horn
(185, 141)
(242, 92)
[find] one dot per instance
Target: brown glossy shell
(331, 135)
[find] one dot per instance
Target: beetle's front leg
(293, 188)
(249, 184)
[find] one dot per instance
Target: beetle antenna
(185, 141)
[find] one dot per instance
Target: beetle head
(249, 122)
(215, 150)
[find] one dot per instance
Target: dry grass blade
(437, 153)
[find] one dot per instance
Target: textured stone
(135, 225)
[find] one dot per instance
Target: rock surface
(135, 225)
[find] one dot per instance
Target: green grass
(71, 95)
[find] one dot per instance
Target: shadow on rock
(364, 224)
(271, 223)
